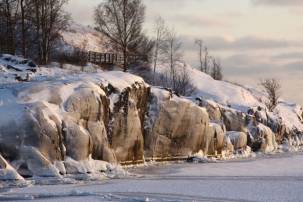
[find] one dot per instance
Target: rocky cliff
(71, 124)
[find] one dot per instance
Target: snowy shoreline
(260, 179)
(72, 122)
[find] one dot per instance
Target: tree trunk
(156, 59)
(23, 28)
(125, 59)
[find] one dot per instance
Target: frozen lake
(270, 178)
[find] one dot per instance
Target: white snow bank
(86, 166)
(290, 114)
(221, 92)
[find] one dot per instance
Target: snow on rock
(88, 165)
(238, 139)
(7, 172)
(16, 63)
(37, 163)
(65, 121)
(233, 105)
(262, 137)
(290, 114)
(55, 118)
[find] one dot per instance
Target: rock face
(127, 123)
(60, 120)
(177, 126)
(66, 126)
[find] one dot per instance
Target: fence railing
(113, 58)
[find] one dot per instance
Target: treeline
(31, 27)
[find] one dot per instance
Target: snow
(16, 63)
(222, 92)
(83, 37)
(51, 87)
(120, 80)
(270, 179)
(239, 98)
(290, 115)
(85, 166)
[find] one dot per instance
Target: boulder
(238, 139)
(263, 138)
(213, 109)
(233, 120)
(176, 127)
(220, 140)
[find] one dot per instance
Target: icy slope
(83, 37)
(222, 92)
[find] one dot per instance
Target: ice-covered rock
(62, 123)
(7, 172)
(238, 139)
(220, 140)
(72, 118)
(126, 127)
(34, 163)
(263, 139)
(177, 127)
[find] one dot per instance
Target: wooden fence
(112, 58)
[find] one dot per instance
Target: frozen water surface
(270, 178)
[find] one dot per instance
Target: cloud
(82, 11)
(295, 66)
(249, 69)
(289, 56)
(247, 43)
(278, 2)
(248, 65)
(199, 21)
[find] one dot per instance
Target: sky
(254, 39)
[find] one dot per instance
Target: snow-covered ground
(83, 37)
(270, 178)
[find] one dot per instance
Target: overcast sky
(253, 38)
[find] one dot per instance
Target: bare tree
(8, 20)
(161, 34)
(121, 21)
(206, 60)
(183, 84)
(144, 48)
(23, 12)
(25, 25)
(199, 43)
(216, 71)
(173, 53)
(272, 87)
(49, 19)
